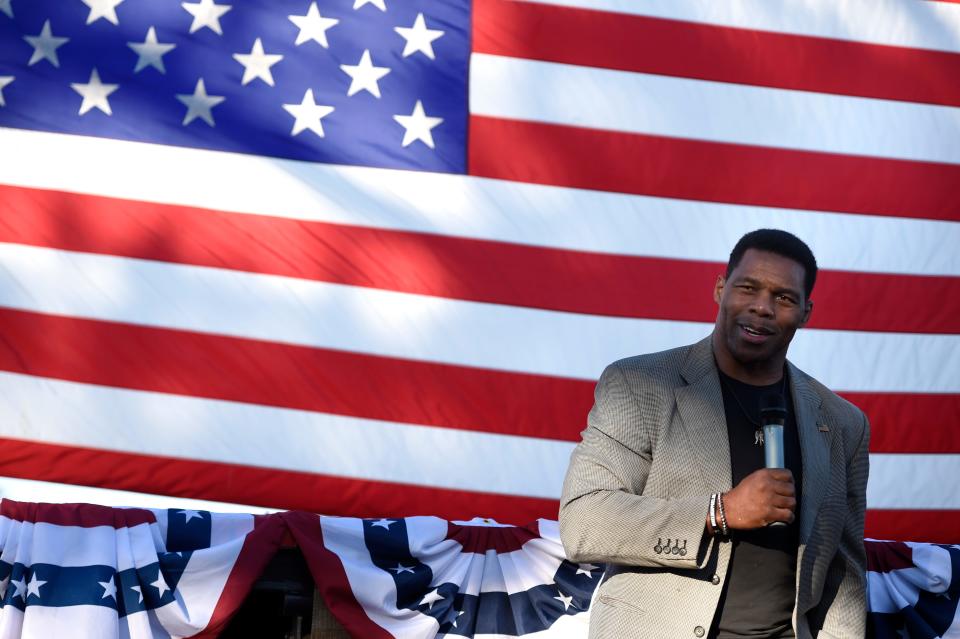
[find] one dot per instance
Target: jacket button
(699, 631)
(715, 580)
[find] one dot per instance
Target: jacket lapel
(814, 450)
(700, 404)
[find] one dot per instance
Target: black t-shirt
(760, 589)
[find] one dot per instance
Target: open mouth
(755, 333)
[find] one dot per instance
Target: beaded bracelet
(723, 515)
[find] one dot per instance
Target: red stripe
(710, 52)
(271, 374)
(884, 556)
(930, 526)
(331, 578)
(711, 171)
(483, 271)
(258, 486)
(259, 547)
(907, 423)
(82, 515)
(480, 539)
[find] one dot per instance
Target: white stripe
(921, 25)
(72, 414)
(68, 546)
(199, 589)
(419, 327)
(42, 622)
(503, 87)
(225, 528)
(184, 427)
(902, 481)
(465, 206)
(30, 490)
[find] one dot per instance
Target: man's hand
(764, 496)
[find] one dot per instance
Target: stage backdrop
(368, 258)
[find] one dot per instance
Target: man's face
(762, 305)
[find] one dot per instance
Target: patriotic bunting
(85, 570)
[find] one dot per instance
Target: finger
(782, 514)
(783, 502)
(781, 474)
(784, 488)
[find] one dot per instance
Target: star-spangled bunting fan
(913, 590)
(421, 577)
(79, 570)
(368, 257)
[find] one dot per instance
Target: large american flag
(367, 257)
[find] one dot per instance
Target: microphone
(773, 414)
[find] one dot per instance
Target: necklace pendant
(758, 437)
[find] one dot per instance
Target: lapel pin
(823, 428)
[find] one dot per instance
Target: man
(672, 446)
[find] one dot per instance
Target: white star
(379, 4)
(313, 26)
(198, 106)
(200, 90)
(308, 114)
(457, 618)
(33, 588)
(256, 64)
(45, 46)
(383, 523)
(95, 93)
(431, 598)
(566, 600)
(106, 9)
(6, 7)
(4, 584)
(109, 589)
(21, 587)
(418, 37)
(4, 81)
(586, 569)
(138, 590)
(363, 75)
(401, 568)
(150, 52)
(206, 13)
(418, 126)
(160, 584)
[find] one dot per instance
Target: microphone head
(773, 410)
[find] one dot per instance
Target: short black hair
(782, 243)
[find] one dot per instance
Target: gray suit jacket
(654, 450)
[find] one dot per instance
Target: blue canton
(230, 75)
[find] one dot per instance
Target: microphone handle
(773, 451)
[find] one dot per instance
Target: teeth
(751, 331)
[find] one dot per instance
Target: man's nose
(762, 305)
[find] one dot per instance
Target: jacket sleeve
(845, 613)
(604, 515)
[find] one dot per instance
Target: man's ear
(806, 313)
(718, 288)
